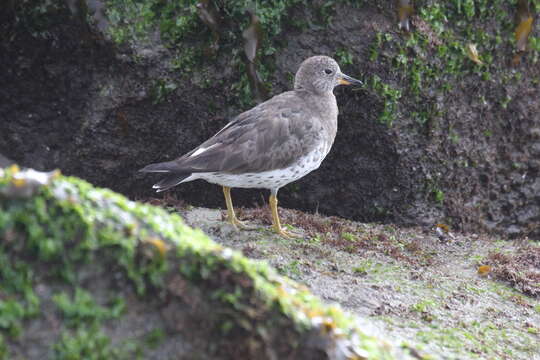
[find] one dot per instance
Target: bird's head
(320, 74)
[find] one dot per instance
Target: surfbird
(275, 143)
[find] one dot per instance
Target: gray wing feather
(270, 136)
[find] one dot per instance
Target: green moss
(178, 22)
(18, 301)
(390, 96)
(344, 57)
(192, 42)
(292, 269)
(377, 271)
(431, 62)
(91, 343)
(423, 306)
(349, 236)
(154, 338)
(161, 89)
(82, 308)
(474, 338)
(12, 314)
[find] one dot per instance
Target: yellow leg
(275, 219)
(231, 216)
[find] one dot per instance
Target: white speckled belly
(272, 179)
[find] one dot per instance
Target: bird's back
(272, 135)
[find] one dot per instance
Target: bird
(269, 146)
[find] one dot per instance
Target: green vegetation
(432, 60)
(154, 338)
(344, 57)
(433, 189)
(427, 63)
(185, 34)
(82, 309)
(464, 340)
(91, 343)
(291, 269)
(390, 97)
(19, 301)
(438, 196)
(349, 236)
(83, 337)
(161, 89)
(423, 306)
(376, 269)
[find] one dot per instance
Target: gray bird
(275, 143)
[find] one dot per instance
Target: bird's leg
(231, 216)
(275, 219)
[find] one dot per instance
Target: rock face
(432, 138)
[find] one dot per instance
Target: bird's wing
(270, 136)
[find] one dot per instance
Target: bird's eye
(328, 71)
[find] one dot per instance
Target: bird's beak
(347, 80)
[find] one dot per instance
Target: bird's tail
(162, 167)
(174, 176)
(169, 182)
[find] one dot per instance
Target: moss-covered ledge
(76, 261)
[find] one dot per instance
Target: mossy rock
(88, 274)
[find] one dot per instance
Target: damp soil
(410, 285)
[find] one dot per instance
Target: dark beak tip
(347, 80)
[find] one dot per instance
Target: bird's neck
(326, 105)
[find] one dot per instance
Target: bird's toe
(287, 234)
(240, 225)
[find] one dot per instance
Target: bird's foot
(286, 234)
(237, 224)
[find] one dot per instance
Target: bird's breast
(271, 179)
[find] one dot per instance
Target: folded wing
(270, 136)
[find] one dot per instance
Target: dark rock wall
(75, 101)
